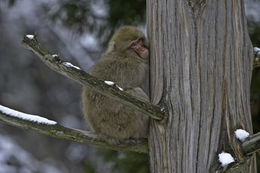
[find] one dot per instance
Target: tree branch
(75, 73)
(252, 144)
(249, 147)
(257, 57)
(51, 128)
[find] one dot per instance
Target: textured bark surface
(201, 58)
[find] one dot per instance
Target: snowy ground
(14, 159)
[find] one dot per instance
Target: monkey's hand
(139, 93)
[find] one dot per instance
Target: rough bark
(202, 57)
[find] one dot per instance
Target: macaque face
(139, 48)
(129, 40)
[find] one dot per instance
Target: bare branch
(80, 76)
(252, 144)
(256, 57)
(51, 128)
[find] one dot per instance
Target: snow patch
(257, 51)
(54, 55)
(109, 83)
(68, 64)
(225, 158)
(30, 36)
(27, 117)
(121, 89)
(241, 134)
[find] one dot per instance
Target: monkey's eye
(141, 41)
(138, 42)
(133, 43)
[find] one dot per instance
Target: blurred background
(78, 31)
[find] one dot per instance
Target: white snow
(30, 36)
(256, 49)
(54, 55)
(27, 117)
(110, 83)
(68, 64)
(241, 134)
(121, 89)
(225, 158)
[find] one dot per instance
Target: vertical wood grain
(201, 62)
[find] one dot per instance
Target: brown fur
(123, 66)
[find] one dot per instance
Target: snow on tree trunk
(201, 63)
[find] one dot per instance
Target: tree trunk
(201, 63)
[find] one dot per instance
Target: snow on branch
(225, 158)
(241, 134)
(249, 145)
(75, 73)
(252, 144)
(28, 117)
(51, 128)
(257, 57)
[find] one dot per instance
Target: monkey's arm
(139, 93)
(125, 72)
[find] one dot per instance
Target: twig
(51, 128)
(80, 76)
(252, 144)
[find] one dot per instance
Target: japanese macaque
(126, 63)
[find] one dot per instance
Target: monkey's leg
(128, 124)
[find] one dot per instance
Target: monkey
(125, 62)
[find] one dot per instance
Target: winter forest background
(78, 31)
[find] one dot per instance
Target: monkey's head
(131, 40)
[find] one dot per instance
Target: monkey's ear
(111, 46)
